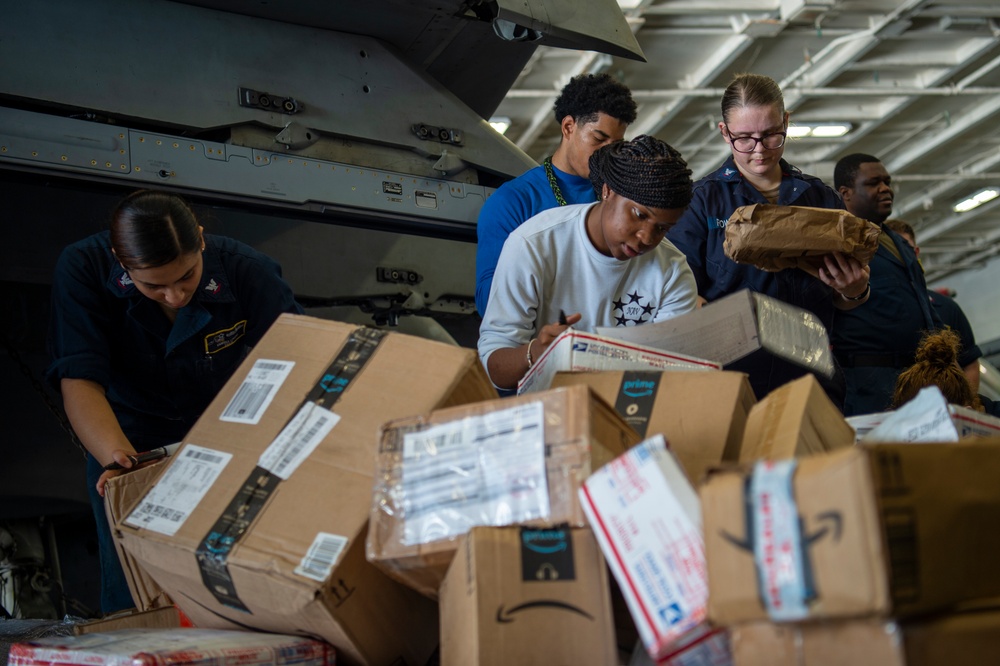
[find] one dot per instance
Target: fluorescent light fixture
(628, 4)
(500, 124)
(818, 130)
(976, 200)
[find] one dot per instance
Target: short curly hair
(587, 95)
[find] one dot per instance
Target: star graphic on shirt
(633, 312)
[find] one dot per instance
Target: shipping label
(480, 470)
(181, 488)
(297, 440)
(257, 391)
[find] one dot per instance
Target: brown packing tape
(774, 238)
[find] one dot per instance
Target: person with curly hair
(608, 263)
(592, 110)
(937, 365)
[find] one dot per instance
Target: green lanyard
(550, 172)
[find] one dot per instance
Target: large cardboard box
(120, 495)
(646, 517)
(176, 647)
(736, 326)
(963, 639)
(930, 418)
(522, 595)
(503, 462)
(259, 520)
(576, 350)
(796, 419)
(167, 617)
(880, 529)
(701, 414)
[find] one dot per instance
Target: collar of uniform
(119, 283)
(215, 286)
(730, 173)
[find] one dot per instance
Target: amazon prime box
(527, 595)
(259, 520)
(880, 529)
(701, 414)
(517, 460)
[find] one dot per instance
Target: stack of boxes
(371, 490)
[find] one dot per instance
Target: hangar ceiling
(918, 81)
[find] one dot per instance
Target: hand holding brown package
(774, 238)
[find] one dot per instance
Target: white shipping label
(297, 440)
(257, 391)
(181, 488)
(481, 470)
(322, 556)
(779, 551)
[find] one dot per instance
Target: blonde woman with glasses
(755, 124)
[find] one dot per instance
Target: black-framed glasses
(748, 144)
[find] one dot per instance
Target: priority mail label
(647, 520)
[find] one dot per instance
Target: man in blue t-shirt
(592, 110)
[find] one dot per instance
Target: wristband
(531, 361)
(860, 297)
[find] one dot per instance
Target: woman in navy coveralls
(754, 124)
(149, 320)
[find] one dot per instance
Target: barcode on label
(322, 556)
(254, 395)
(299, 443)
(149, 512)
(247, 401)
(202, 455)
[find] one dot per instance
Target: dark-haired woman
(754, 124)
(607, 262)
(148, 322)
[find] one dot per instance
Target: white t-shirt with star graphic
(548, 264)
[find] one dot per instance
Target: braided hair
(644, 170)
(937, 365)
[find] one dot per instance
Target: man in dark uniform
(877, 340)
(950, 313)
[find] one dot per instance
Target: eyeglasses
(748, 144)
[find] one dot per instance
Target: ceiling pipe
(943, 91)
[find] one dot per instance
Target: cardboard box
(176, 647)
(879, 529)
(167, 617)
(259, 520)
(575, 350)
(930, 418)
(503, 462)
(737, 326)
(796, 419)
(701, 414)
(646, 517)
(964, 639)
(120, 495)
(521, 595)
